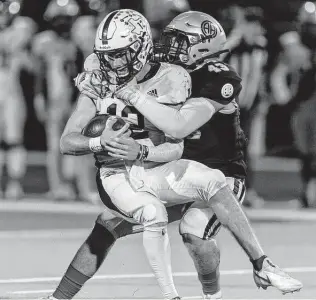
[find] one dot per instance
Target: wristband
(143, 153)
(95, 144)
(139, 155)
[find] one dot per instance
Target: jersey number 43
(217, 67)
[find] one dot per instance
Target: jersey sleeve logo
(153, 93)
(227, 90)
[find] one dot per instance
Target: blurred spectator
(248, 56)
(16, 33)
(160, 13)
(61, 60)
(293, 84)
(84, 27)
(292, 74)
(83, 33)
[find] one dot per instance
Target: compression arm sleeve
(169, 151)
(177, 123)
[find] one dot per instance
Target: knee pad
(99, 237)
(214, 181)
(118, 227)
(176, 212)
(202, 244)
(151, 216)
(196, 222)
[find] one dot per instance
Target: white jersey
(13, 40)
(83, 32)
(6, 66)
(162, 80)
(59, 56)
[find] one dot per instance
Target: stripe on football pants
(213, 226)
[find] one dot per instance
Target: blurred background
(43, 45)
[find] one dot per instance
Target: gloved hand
(91, 84)
(130, 94)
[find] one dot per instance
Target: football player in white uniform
(125, 37)
(160, 182)
(16, 33)
(60, 60)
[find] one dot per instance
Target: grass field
(39, 239)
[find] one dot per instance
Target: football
(97, 124)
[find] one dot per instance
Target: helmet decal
(209, 29)
(107, 32)
(134, 23)
(123, 44)
(191, 39)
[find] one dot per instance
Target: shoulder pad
(219, 82)
(24, 23)
(91, 63)
(261, 41)
(181, 77)
(175, 86)
(23, 29)
(83, 31)
(83, 23)
(43, 41)
(176, 70)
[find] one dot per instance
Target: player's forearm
(177, 123)
(75, 144)
(165, 152)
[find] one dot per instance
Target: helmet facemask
(175, 47)
(123, 45)
(120, 65)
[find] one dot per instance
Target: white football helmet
(123, 44)
(191, 38)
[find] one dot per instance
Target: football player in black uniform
(194, 40)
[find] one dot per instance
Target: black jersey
(220, 142)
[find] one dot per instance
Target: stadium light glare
(62, 2)
(310, 7)
(14, 8)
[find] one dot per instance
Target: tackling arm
(194, 113)
(129, 149)
(171, 150)
(217, 86)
